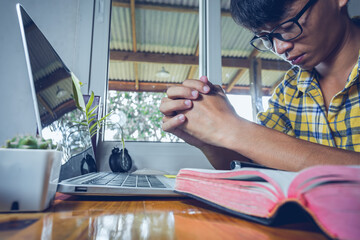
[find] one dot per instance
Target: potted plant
(120, 160)
(90, 109)
(32, 166)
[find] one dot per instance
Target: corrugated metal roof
(49, 62)
(168, 31)
(175, 32)
(53, 99)
(225, 4)
(234, 39)
(268, 55)
(147, 72)
(121, 36)
(167, 37)
(49, 73)
(121, 71)
(187, 3)
(268, 77)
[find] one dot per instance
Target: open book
(330, 194)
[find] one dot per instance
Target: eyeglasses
(286, 31)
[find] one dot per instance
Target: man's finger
(170, 123)
(177, 92)
(169, 107)
(197, 85)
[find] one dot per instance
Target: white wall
(67, 24)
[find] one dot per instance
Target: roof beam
(236, 78)
(45, 104)
(133, 29)
(163, 7)
(241, 72)
(60, 110)
(162, 87)
(153, 57)
(136, 72)
(51, 79)
(133, 25)
(276, 65)
(192, 69)
(256, 86)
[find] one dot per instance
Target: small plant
(29, 142)
(90, 113)
(120, 160)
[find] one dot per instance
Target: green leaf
(79, 101)
(103, 118)
(91, 128)
(90, 102)
(92, 116)
(83, 123)
(94, 108)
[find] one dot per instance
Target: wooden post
(255, 86)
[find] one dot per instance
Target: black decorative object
(88, 164)
(120, 160)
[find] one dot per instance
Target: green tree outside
(139, 116)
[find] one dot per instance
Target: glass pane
(242, 105)
(153, 45)
(245, 69)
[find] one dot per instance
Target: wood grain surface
(72, 217)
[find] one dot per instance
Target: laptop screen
(55, 108)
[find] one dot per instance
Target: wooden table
(141, 218)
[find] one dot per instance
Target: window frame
(170, 156)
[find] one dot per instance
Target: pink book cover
(329, 194)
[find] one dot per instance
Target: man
(314, 114)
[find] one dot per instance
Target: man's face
(323, 30)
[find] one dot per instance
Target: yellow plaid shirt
(297, 109)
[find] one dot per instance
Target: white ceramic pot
(28, 179)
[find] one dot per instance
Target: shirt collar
(307, 79)
(354, 75)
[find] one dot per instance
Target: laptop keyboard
(126, 180)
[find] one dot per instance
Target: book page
(282, 178)
(326, 175)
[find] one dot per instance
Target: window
(152, 45)
(167, 40)
(248, 76)
(155, 44)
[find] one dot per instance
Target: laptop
(57, 118)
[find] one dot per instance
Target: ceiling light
(60, 93)
(162, 73)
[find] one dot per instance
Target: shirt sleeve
(276, 117)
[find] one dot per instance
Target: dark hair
(254, 14)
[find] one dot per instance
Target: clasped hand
(198, 112)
